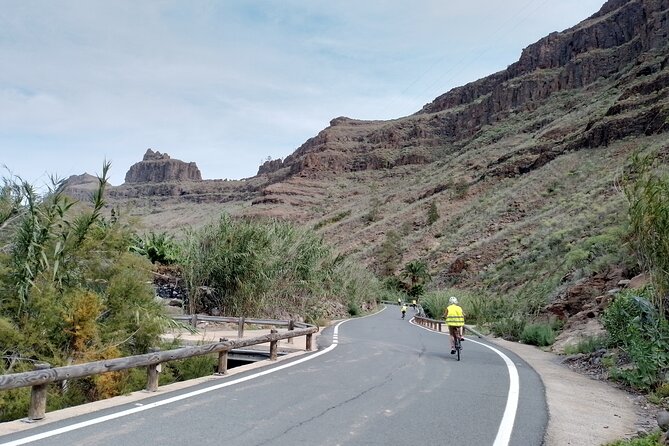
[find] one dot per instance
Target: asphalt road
(378, 380)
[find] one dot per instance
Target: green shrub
(353, 309)
(340, 216)
(159, 248)
(649, 440)
(14, 404)
(432, 213)
(637, 328)
(540, 335)
(191, 368)
(647, 192)
(509, 328)
(587, 345)
(269, 268)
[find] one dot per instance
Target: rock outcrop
(80, 187)
(158, 167)
(623, 34)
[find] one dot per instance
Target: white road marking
(141, 408)
(508, 419)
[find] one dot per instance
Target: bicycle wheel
(458, 347)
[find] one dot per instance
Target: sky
(228, 84)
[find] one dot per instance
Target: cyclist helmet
(453, 300)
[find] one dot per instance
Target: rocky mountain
(522, 166)
(158, 167)
(600, 50)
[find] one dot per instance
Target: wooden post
(308, 346)
(291, 327)
(222, 368)
(440, 327)
(272, 346)
(193, 320)
(38, 393)
(240, 328)
(222, 362)
(152, 371)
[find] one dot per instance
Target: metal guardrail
(436, 324)
(44, 374)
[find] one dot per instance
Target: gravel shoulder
(583, 411)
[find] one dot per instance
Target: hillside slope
(521, 166)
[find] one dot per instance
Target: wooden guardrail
(44, 374)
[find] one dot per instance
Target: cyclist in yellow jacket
(455, 319)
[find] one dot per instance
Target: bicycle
(458, 346)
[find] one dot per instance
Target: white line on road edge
(62, 430)
(506, 425)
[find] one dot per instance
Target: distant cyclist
(455, 319)
(404, 310)
(413, 304)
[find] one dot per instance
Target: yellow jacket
(454, 316)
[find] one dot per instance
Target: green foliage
(353, 309)
(649, 440)
(587, 345)
(460, 189)
(70, 291)
(416, 272)
(432, 213)
(266, 268)
(510, 328)
(191, 368)
(389, 255)
(541, 335)
(14, 404)
(636, 327)
(647, 192)
(374, 213)
(159, 248)
(434, 303)
(338, 217)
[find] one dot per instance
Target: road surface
(377, 380)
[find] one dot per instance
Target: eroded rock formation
(158, 167)
(624, 33)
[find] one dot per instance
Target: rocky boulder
(158, 167)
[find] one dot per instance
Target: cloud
(226, 84)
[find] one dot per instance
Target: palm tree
(417, 273)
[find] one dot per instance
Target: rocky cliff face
(623, 33)
(158, 167)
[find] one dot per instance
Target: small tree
(417, 273)
(432, 213)
(389, 254)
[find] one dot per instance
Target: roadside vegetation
(628, 231)
(75, 286)
(273, 269)
(70, 292)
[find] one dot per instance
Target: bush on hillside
(647, 192)
(271, 268)
(635, 326)
(541, 335)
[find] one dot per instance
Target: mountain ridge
(521, 166)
